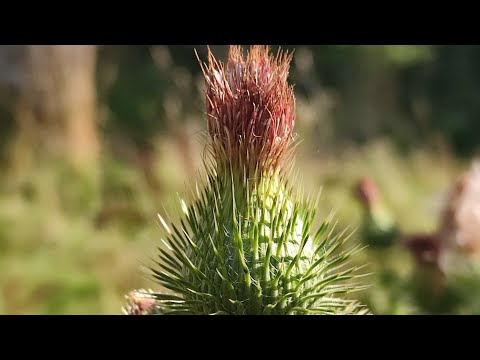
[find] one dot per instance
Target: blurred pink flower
(140, 302)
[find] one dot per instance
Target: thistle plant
(247, 243)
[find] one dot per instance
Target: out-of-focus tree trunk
(56, 105)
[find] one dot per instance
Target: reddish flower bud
(250, 108)
(367, 191)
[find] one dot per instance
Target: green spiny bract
(252, 249)
(247, 243)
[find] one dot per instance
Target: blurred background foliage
(95, 140)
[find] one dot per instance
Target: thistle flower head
(426, 248)
(140, 302)
(461, 218)
(247, 244)
(250, 108)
